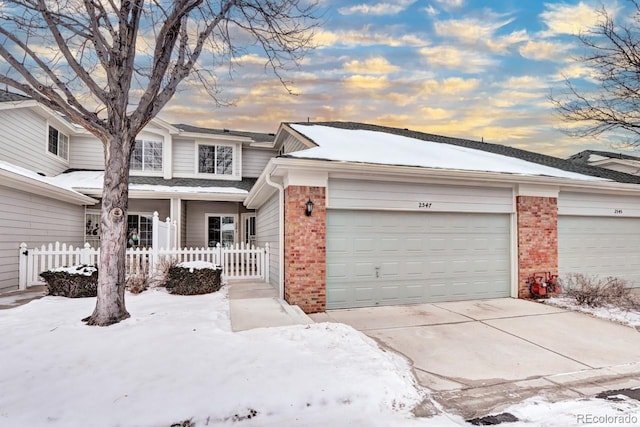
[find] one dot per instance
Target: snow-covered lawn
(176, 359)
(608, 312)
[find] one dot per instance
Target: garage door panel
(600, 246)
(422, 257)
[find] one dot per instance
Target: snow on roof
(366, 146)
(92, 180)
(9, 167)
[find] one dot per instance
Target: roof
(245, 184)
(502, 150)
(6, 96)
(584, 156)
(255, 136)
(90, 181)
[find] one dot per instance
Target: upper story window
(147, 156)
(216, 159)
(58, 143)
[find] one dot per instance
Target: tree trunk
(110, 307)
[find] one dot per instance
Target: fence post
(85, 256)
(265, 262)
(23, 255)
(155, 243)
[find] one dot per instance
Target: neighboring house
(606, 159)
(356, 215)
(407, 217)
(51, 182)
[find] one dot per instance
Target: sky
(477, 69)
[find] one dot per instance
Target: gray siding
(35, 220)
(86, 152)
(254, 161)
(267, 229)
(183, 156)
(23, 142)
(196, 219)
(291, 144)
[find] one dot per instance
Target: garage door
(602, 246)
(385, 258)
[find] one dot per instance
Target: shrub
(595, 292)
(137, 283)
(161, 275)
(79, 281)
(194, 278)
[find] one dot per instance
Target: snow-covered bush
(194, 278)
(78, 281)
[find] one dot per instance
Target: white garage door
(602, 246)
(385, 258)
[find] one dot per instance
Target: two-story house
(355, 214)
(51, 173)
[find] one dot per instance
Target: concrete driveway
(479, 356)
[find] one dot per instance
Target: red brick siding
(537, 238)
(304, 249)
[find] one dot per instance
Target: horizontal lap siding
(23, 142)
(585, 204)
(35, 220)
(267, 230)
(86, 152)
(184, 157)
(347, 194)
(254, 161)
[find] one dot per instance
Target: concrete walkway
(481, 356)
(16, 298)
(254, 304)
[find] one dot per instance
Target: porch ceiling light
(308, 208)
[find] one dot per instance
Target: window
(147, 156)
(92, 228)
(250, 229)
(139, 230)
(217, 159)
(58, 143)
(221, 229)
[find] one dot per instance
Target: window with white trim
(58, 143)
(249, 228)
(139, 230)
(147, 156)
(221, 229)
(215, 159)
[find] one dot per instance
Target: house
(406, 217)
(606, 159)
(51, 173)
(355, 214)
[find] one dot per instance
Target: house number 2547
(424, 205)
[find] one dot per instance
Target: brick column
(305, 248)
(537, 238)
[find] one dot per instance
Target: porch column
(304, 248)
(537, 238)
(175, 210)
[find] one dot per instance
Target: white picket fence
(238, 262)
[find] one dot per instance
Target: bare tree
(112, 65)
(613, 60)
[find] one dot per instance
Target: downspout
(280, 189)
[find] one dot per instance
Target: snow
(198, 265)
(176, 358)
(607, 312)
(366, 146)
(79, 270)
(9, 167)
(93, 180)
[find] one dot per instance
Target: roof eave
(24, 183)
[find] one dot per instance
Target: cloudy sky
(478, 69)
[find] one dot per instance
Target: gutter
(45, 189)
(280, 189)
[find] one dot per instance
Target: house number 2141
(424, 205)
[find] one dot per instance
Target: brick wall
(304, 249)
(537, 238)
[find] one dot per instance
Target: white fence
(237, 262)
